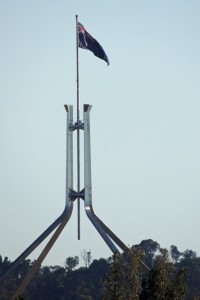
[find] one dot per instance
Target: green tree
(112, 280)
(164, 282)
(149, 249)
(175, 253)
(191, 263)
(71, 263)
(8, 283)
(123, 280)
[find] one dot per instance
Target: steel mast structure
(112, 241)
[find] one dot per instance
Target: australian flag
(86, 41)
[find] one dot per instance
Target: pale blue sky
(144, 121)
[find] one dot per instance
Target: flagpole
(77, 68)
(78, 130)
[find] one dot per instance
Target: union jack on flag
(86, 41)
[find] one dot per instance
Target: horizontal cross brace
(77, 125)
(74, 195)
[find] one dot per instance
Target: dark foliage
(173, 275)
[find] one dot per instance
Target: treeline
(147, 272)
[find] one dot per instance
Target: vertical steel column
(88, 180)
(69, 152)
(87, 156)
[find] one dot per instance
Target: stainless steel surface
(69, 152)
(103, 230)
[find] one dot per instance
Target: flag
(86, 41)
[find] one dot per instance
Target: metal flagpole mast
(78, 130)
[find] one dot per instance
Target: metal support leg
(37, 264)
(103, 230)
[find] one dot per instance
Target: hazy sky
(144, 122)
